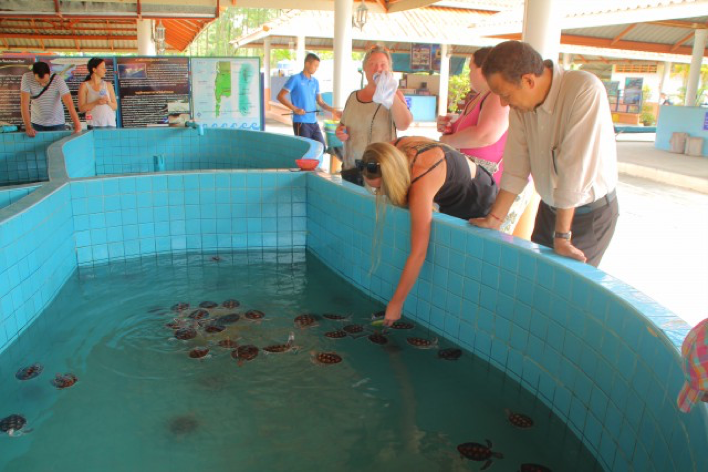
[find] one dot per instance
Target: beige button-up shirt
(567, 143)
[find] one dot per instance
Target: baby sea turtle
(422, 343)
(29, 372)
(335, 317)
(198, 352)
(353, 328)
(64, 381)
(277, 348)
(245, 353)
(378, 338)
(519, 420)
(214, 328)
(231, 303)
(186, 333)
(254, 315)
(180, 306)
(478, 452)
(216, 258)
(228, 343)
(208, 304)
(450, 354)
(402, 325)
(176, 323)
(378, 315)
(305, 321)
(182, 425)
(13, 424)
(228, 319)
(199, 314)
(528, 467)
(326, 358)
(339, 334)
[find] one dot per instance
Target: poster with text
(226, 92)
(420, 56)
(73, 70)
(633, 91)
(153, 90)
(11, 70)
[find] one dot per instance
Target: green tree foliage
(458, 87)
(682, 70)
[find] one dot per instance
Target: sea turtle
(228, 319)
(518, 420)
(378, 315)
(13, 424)
(335, 317)
(422, 343)
(450, 354)
(29, 372)
(215, 258)
(64, 381)
(176, 323)
(231, 303)
(528, 467)
(378, 338)
(336, 334)
(186, 333)
(180, 306)
(245, 353)
(198, 352)
(353, 328)
(228, 343)
(305, 321)
(479, 452)
(326, 358)
(208, 304)
(199, 314)
(182, 425)
(402, 325)
(214, 328)
(254, 315)
(277, 348)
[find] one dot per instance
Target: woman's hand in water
(393, 313)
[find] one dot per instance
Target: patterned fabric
(517, 209)
(695, 356)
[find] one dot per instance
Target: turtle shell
(305, 321)
(228, 343)
(336, 334)
(247, 352)
(475, 451)
(519, 420)
(378, 338)
(64, 381)
(215, 258)
(12, 422)
(278, 348)
(231, 303)
(229, 319)
(326, 358)
(29, 372)
(198, 352)
(450, 354)
(199, 314)
(186, 333)
(335, 317)
(208, 304)
(421, 343)
(528, 467)
(254, 315)
(175, 324)
(214, 328)
(353, 328)
(180, 306)
(402, 325)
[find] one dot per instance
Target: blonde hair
(394, 171)
(377, 49)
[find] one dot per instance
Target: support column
(266, 72)
(694, 73)
(146, 43)
(567, 60)
(444, 79)
(300, 51)
(342, 50)
(665, 76)
(541, 28)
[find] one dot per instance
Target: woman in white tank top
(96, 96)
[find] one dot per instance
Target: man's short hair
(311, 56)
(513, 59)
(41, 69)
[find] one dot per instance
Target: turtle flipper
(498, 455)
(486, 465)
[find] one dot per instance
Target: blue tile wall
(121, 217)
(36, 257)
(10, 195)
(601, 355)
(79, 156)
(23, 159)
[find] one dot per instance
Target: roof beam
(382, 4)
(57, 9)
(681, 41)
(629, 28)
(679, 24)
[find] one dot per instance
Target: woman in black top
(417, 172)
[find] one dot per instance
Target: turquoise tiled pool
(600, 354)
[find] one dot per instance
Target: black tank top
(461, 195)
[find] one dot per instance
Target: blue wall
(673, 119)
(23, 159)
(10, 195)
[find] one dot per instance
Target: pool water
(142, 404)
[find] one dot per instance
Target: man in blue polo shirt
(305, 95)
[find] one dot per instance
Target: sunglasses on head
(371, 167)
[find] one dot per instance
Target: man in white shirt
(560, 133)
(45, 92)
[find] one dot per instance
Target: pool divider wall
(23, 159)
(11, 194)
(583, 342)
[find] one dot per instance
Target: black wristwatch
(567, 235)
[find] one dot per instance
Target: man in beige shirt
(560, 133)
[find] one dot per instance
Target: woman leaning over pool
(417, 172)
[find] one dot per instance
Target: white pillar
(567, 60)
(300, 51)
(266, 72)
(444, 79)
(694, 73)
(666, 74)
(146, 43)
(342, 49)
(542, 27)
